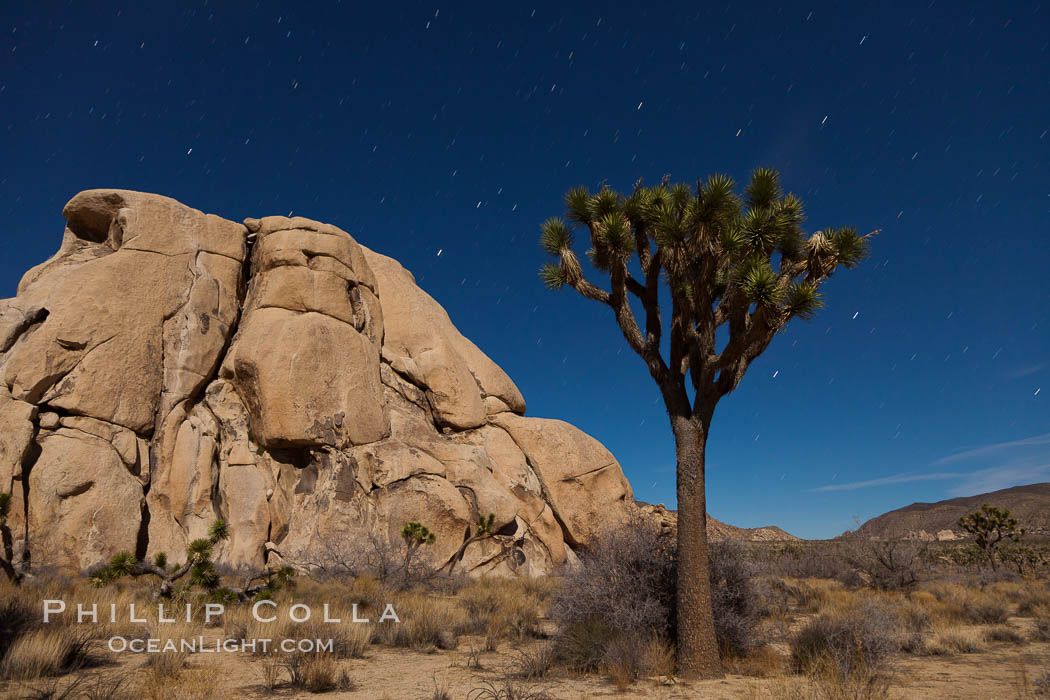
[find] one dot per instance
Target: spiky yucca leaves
(485, 524)
(803, 300)
(198, 564)
(737, 268)
(990, 526)
(485, 530)
(198, 569)
(708, 240)
(417, 533)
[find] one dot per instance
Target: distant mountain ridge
(717, 531)
(939, 521)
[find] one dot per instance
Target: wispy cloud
(888, 480)
(1022, 372)
(1025, 466)
(995, 449)
(997, 478)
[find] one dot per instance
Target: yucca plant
(198, 567)
(739, 265)
(484, 530)
(990, 526)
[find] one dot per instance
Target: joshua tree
(483, 532)
(741, 267)
(198, 565)
(989, 526)
(415, 535)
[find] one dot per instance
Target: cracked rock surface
(168, 367)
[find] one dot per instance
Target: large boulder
(167, 368)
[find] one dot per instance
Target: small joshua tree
(415, 535)
(990, 526)
(484, 531)
(198, 566)
(730, 273)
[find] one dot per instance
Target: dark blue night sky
(444, 135)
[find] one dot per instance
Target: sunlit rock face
(167, 367)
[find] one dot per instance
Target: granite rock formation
(167, 367)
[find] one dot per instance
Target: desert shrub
(761, 662)
(863, 637)
(734, 599)
(961, 604)
(1033, 603)
(808, 596)
(914, 616)
(582, 645)
(624, 661)
(1041, 685)
(624, 587)
(807, 560)
(400, 563)
(625, 580)
(534, 663)
(1002, 633)
(1041, 631)
(885, 564)
(773, 596)
(988, 577)
(986, 611)
(658, 657)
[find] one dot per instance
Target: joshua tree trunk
(697, 646)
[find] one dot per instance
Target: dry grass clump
(427, 623)
(958, 603)
(317, 673)
(165, 676)
(859, 640)
(825, 682)
(535, 662)
(1004, 633)
(811, 595)
(1041, 685)
(350, 640)
(166, 664)
(506, 689)
(1041, 631)
(107, 687)
(950, 639)
(42, 652)
(762, 662)
(505, 608)
(630, 658)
